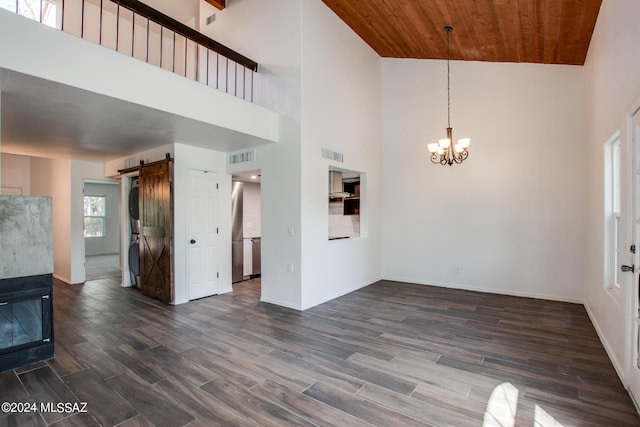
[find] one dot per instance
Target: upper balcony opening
(137, 30)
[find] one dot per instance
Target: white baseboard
(607, 347)
(487, 290)
(225, 290)
(280, 303)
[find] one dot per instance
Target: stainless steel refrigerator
(237, 242)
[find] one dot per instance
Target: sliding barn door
(156, 205)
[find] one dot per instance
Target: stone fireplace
(26, 275)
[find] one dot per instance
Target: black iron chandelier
(444, 152)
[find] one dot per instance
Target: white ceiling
(184, 11)
(46, 119)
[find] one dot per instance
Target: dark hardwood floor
(390, 354)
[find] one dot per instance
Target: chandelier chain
(448, 78)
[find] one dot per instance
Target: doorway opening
(102, 248)
(246, 237)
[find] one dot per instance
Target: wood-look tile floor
(390, 354)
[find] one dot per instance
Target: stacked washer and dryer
(134, 244)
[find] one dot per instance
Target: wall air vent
(332, 155)
(244, 157)
(130, 162)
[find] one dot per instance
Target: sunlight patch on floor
(543, 419)
(501, 407)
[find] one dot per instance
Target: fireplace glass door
(23, 321)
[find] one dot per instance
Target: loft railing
(135, 29)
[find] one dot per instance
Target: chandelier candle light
(444, 152)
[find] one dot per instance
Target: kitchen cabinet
(256, 256)
(351, 204)
(344, 206)
(352, 188)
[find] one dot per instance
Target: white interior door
(202, 234)
(633, 377)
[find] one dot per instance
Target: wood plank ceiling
(220, 4)
(534, 31)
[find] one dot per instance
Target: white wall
(511, 218)
(268, 32)
(112, 167)
(63, 181)
(612, 94)
(52, 177)
(341, 111)
(15, 175)
(110, 243)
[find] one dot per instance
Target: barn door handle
(631, 268)
(192, 241)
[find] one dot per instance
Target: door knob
(192, 241)
(631, 268)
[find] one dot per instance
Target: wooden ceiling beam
(220, 4)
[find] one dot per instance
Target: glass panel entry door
(633, 280)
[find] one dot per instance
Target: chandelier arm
(461, 157)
